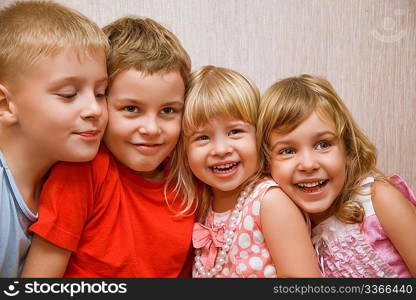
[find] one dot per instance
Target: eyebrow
(140, 101)
(102, 80)
(239, 123)
(76, 79)
(197, 131)
(181, 103)
(232, 124)
(316, 136)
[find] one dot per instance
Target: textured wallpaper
(365, 48)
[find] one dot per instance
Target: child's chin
(82, 156)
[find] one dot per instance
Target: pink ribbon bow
(209, 238)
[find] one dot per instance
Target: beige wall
(366, 48)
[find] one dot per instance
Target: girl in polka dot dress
(247, 226)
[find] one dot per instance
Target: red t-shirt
(116, 223)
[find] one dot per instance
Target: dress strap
(262, 187)
(365, 199)
(365, 196)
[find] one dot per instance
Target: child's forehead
(317, 117)
(67, 55)
(63, 68)
(83, 53)
(142, 72)
(153, 90)
(141, 76)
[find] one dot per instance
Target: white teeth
(310, 184)
(223, 168)
(226, 166)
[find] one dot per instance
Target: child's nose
(308, 162)
(150, 127)
(221, 148)
(93, 108)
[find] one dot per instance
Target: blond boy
(53, 79)
(110, 217)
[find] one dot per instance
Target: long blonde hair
(212, 92)
(290, 101)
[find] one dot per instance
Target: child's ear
(7, 111)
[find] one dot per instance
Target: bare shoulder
(390, 204)
(277, 201)
(286, 235)
(397, 217)
(384, 193)
(275, 195)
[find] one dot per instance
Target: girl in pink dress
(321, 159)
(247, 226)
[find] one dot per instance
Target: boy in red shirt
(110, 217)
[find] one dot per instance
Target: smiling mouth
(88, 134)
(312, 187)
(224, 169)
(149, 145)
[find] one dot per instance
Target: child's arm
(287, 236)
(398, 219)
(45, 259)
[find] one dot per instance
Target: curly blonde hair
(289, 102)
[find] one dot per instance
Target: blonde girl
(247, 226)
(327, 166)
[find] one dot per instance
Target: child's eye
(167, 110)
(131, 108)
(287, 151)
(202, 138)
(67, 96)
(234, 131)
(323, 145)
(100, 96)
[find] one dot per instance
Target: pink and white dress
(360, 250)
(248, 255)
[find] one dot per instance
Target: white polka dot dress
(248, 256)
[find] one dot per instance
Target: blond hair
(290, 101)
(212, 92)
(145, 45)
(30, 30)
